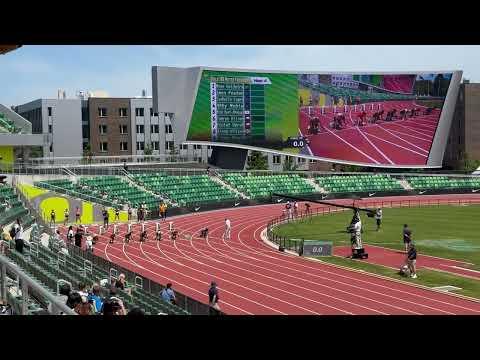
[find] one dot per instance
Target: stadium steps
(138, 183)
(317, 187)
(219, 180)
(405, 184)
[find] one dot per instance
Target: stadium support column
(4, 283)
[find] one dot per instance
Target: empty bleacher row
(358, 183)
(262, 186)
(186, 190)
(11, 208)
(47, 266)
(443, 182)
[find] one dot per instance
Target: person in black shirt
(128, 236)
(78, 238)
(105, 218)
(412, 260)
(407, 236)
(52, 217)
(213, 298)
(117, 214)
(143, 236)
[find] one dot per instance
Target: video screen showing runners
(376, 119)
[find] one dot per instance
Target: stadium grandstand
(172, 234)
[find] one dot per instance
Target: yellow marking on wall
(58, 204)
(31, 191)
(87, 213)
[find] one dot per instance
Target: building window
(209, 147)
(184, 146)
(50, 128)
(102, 112)
(140, 145)
(276, 159)
(301, 160)
(123, 129)
(312, 161)
(168, 129)
(151, 112)
(102, 129)
(124, 146)
(51, 147)
(197, 147)
(122, 112)
(139, 112)
(103, 147)
(49, 111)
(169, 145)
(155, 145)
(140, 129)
(154, 129)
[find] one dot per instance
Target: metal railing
(27, 284)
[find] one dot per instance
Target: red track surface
(253, 278)
(401, 142)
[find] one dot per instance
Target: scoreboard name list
(237, 108)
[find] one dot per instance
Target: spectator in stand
(121, 284)
(19, 242)
(78, 238)
(113, 306)
(70, 234)
(136, 311)
(89, 243)
(66, 214)
(96, 298)
(82, 289)
(213, 297)
(74, 298)
(168, 295)
(63, 294)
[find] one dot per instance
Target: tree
(290, 164)
(87, 153)
(257, 161)
(148, 150)
(467, 164)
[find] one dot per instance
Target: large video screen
(375, 119)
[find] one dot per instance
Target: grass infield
(451, 232)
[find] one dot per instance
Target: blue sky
(33, 72)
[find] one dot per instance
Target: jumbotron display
(372, 119)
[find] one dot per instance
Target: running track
(254, 278)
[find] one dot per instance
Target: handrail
(31, 283)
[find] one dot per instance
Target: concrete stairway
(131, 180)
(218, 180)
(405, 184)
(317, 187)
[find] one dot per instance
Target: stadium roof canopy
(7, 48)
